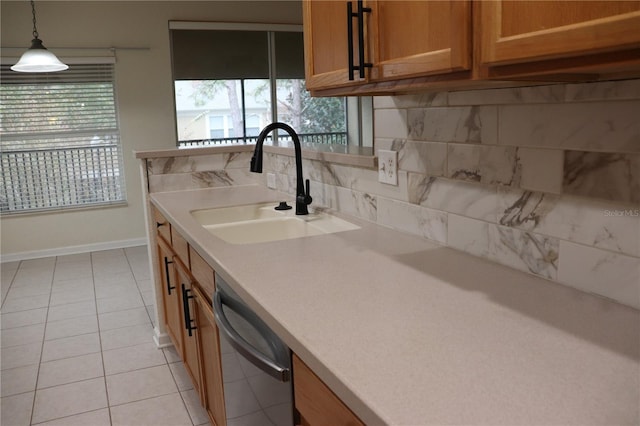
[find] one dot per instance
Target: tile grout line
(66, 417)
(46, 320)
(104, 372)
(138, 287)
(13, 278)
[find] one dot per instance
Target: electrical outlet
(388, 167)
(271, 180)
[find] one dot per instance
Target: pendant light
(38, 58)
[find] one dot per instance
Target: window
(60, 140)
(251, 75)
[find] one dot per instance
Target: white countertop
(407, 332)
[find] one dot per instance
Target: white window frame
(359, 119)
(78, 167)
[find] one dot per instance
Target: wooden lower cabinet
(170, 294)
(211, 365)
(190, 322)
(191, 328)
(162, 225)
(187, 283)
(315, 402)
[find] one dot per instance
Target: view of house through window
(246, 80)
(60, 140)
(226, 110)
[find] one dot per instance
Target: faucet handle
(256, 162)
(307, 196)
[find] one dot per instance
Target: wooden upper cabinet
(402, 39)
(420, 38)
(325, 44)
(515, 32)
(445, 44)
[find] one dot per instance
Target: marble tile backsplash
(542, 179)
(199, 171)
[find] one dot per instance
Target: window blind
(60, 143)
(228, 55)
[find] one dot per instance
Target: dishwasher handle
(253, 355)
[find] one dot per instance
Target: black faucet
(303, 199)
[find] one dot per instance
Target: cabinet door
(209, 343)
(315, 402)
(419, 38)
(325, 44)
(525, 31)
(171, 302)
(190, 327)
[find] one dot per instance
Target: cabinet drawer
(317, 404)
(180, 246)
(162, 224)
(202, 272)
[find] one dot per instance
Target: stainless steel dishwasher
(256, 364)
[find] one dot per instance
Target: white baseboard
(162, 340)
(61, 251)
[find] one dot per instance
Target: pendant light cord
(33, 12)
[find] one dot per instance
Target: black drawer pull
(187, 313)
(167, 262)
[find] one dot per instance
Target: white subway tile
(598, 126)
(390, 123)
(416, 100)
(413, 219)
(525, 251)
(423, 157)
(466, 199)
(541, 169)
(514, 95)
(355, 203)
(601, 272)
(602, 175)
(457, 124)
(490, 164)
(605, 90)
(595, 223)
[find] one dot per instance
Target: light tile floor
(76, 345)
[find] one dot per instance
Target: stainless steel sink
(258, 223)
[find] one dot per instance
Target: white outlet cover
(271, 180)
(388, 167)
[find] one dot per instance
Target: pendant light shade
(38, 58)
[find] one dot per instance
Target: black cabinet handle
(350, 38)
(359, 15)
(167, 262)
(187, 312)
(159, 224)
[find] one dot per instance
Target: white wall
(144, 92)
